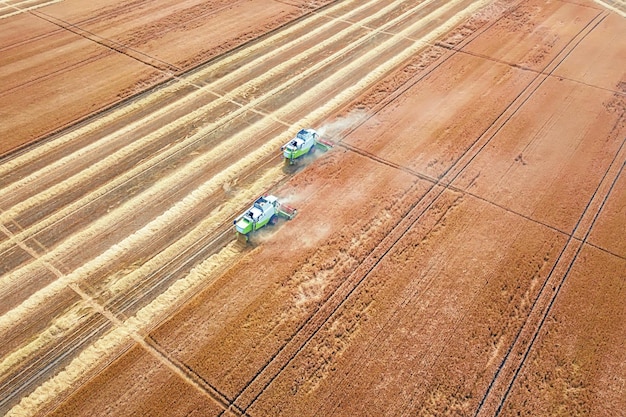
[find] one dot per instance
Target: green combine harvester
(265, 210)
(303, 144)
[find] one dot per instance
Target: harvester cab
(304, 143)
(265, 210)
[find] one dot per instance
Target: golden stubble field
(459, 251)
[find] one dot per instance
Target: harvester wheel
(312, 150)
(273, 220)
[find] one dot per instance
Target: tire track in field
(126, 47)
(354, 89)
(511, 364)
(109, 44)
(280, 360)
(112, 13)
(308, 331)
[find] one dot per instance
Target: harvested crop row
(221, 66)
(198, 163)
(26, 183)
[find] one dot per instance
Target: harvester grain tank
(265, 210)
(304, 143)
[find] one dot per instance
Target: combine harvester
(304, 143)
(266, 210)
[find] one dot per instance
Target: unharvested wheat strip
(134, 146)
(155, 96)
(74, 181)
(96, 352)
(180, 209)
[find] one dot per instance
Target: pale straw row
(134, 146)
(75, 181)
(180, 208)
(135, 105)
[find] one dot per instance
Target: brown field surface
(459, 251)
